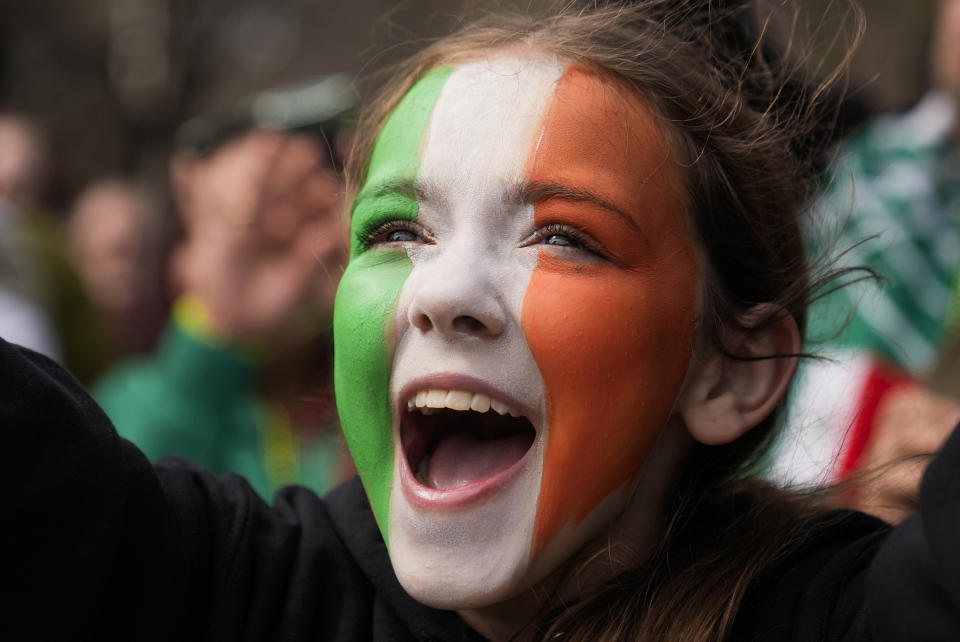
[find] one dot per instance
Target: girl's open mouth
(454, 438)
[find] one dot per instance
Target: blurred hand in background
(266, 237)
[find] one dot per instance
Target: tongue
(462, 458)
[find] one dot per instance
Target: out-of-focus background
(186, 272)
(110, 80)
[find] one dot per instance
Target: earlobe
(725, 396)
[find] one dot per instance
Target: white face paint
(458, 328)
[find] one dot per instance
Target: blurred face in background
(111, 237)
(945, 51)
(22, 161)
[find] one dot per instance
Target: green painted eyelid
(372, 212)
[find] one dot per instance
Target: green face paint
(368, 293)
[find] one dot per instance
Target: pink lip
(426, 498)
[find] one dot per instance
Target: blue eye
(398, 233)
(561, 240)
(400, 236)
(560, 235)
(574, 241)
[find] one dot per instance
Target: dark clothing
(101, 545)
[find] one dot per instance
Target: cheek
(363, 317)
(613, 347)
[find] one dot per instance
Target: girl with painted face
(574, 303)
(573, 289)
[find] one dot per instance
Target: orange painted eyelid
(602, 253)
(542, 192)
(612, 242)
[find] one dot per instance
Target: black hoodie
(98, 544)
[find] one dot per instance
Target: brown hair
(749, 130)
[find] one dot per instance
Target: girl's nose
(457, 306)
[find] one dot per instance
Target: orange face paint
(612, 338)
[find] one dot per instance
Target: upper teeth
(429, 400)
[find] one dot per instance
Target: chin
(484, 556)
(457, 587)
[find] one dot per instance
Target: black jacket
(99, 544)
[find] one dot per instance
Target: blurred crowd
(205, 332)
(212, 342)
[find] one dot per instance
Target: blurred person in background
(894, 197)
(42, 304)
(116, 242)
(23, 319)
(23, 162)
(241, 380)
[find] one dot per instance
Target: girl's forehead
(488, 127)
(466, 139)
(486, 122)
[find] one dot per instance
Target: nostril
(469, 325)
(421, 321)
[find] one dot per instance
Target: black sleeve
(84, 525)
(97, 544)
(914, 581)
(856, 579)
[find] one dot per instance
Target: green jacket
(197, 400)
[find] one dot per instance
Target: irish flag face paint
(515, 322)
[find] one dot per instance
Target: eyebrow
(537, 192)
(418, 190)
(401, 187)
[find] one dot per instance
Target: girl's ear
(725, 396)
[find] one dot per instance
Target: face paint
(612, 338)
(549, 273)
(368, 292)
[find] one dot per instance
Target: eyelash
(582, 240)
(377, 232)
